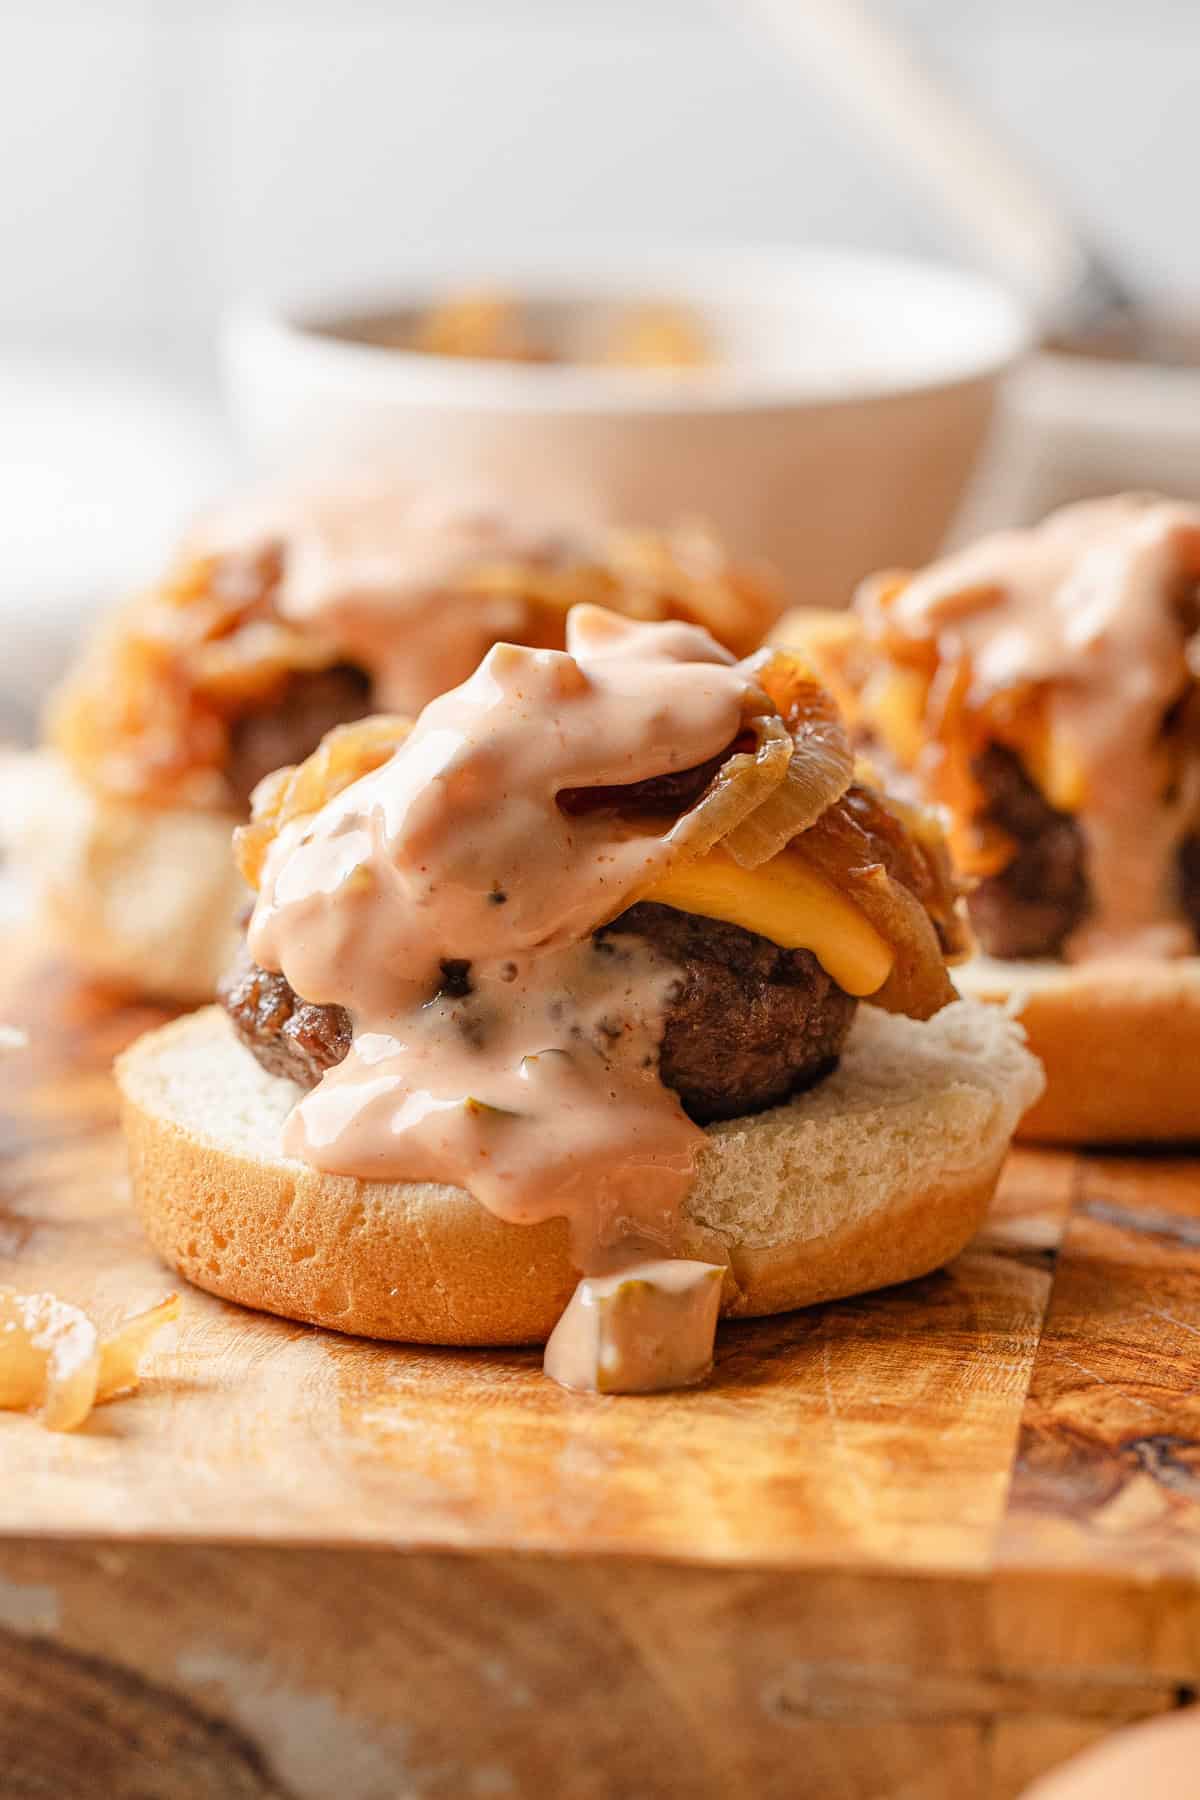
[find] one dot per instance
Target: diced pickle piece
(649, 1327)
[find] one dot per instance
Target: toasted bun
(881, 1173)
(1120, 1041)
(144, 897)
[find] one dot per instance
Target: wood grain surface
(917, 1545)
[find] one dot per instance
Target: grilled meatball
(1036, 901)
(313, 702)
(748, 1025)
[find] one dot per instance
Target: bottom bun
(1120, 1041)
(880, 1174)
(146, 897)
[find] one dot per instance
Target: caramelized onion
(121, 1354)
(901, 880)
(742, 784)
(819, 770)
(148, 709)
(148, 712)
(343, 754)
(53, 1358)
(49, 1357)
(919, 984)
(684, 573)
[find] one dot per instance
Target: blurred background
(163, 157)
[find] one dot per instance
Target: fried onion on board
(54, 1361)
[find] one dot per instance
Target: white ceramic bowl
(835, 434)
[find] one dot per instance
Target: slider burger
(279, 620)
(1043, 688)
(550, 1022)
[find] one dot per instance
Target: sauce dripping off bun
(534, 1080)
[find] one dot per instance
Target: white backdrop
(161, 155)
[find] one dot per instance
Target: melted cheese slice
(895, 701)
(789, 902)
(1056, 770)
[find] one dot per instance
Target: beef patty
(748, 1024)
(1031, 907)
(312, 703)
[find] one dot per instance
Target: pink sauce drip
(373, 566)
(457, 847)
(1086, 603)
(538, 1091)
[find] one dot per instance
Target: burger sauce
(378, 570)
(448, 902)
(1087, 606)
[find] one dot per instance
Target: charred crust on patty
(289, 1036)
(1041, 895)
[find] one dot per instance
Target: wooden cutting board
(919, 1545)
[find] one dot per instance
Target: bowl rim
(992, 331)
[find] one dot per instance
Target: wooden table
(920, 1545)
